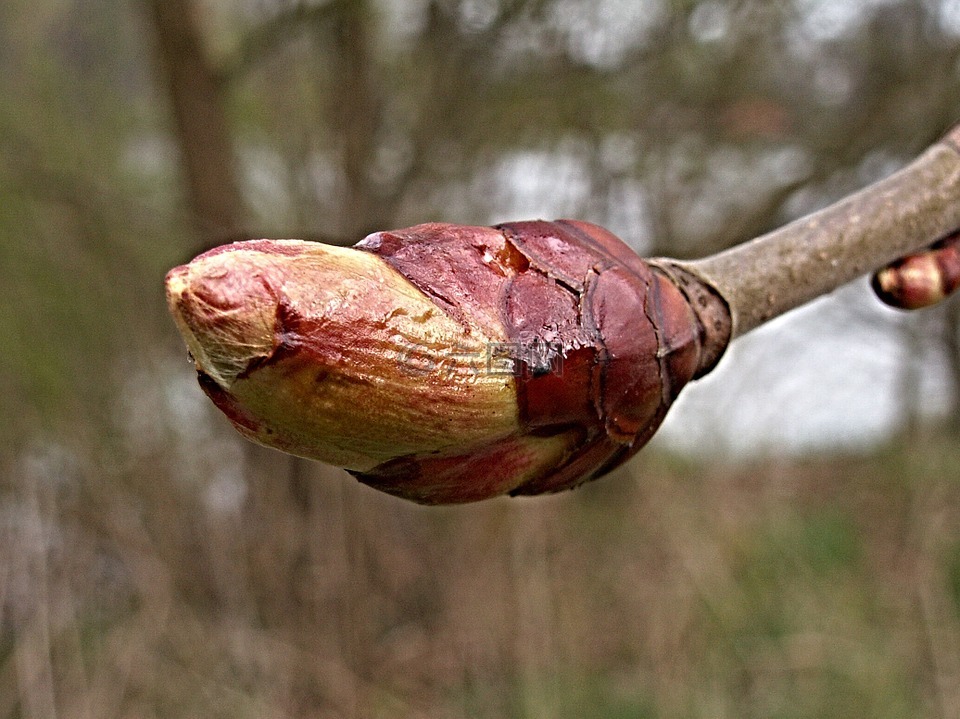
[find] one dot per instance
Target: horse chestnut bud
(447, 363)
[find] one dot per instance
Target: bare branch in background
(904, 213)
(271, 34)
(202, 127)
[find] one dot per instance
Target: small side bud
(922, 279)
(447, 363)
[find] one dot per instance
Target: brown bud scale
(447, 363)
(601, 341)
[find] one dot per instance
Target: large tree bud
(447, 363)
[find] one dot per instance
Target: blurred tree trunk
(355, 109)
(202, 129)
(279, 515)
(209, 167)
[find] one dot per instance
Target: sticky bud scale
(447, 363)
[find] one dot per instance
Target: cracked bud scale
(446, 363)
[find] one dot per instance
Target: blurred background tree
(153, 564)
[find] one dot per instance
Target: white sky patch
(833, 83)
(401, 20)
(162, 409)
(539, 184)
(949, 17)
(709, 21)
(150, 156)
(478, 15)
(828, 375)
(226, 489)
(602, 32)
(825, 20)
(265, 179)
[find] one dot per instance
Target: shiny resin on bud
(922, 279)
(448, 363)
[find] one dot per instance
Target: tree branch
(270, 35)
(814, 255)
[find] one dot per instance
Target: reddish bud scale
(446, 363)
(922, 279)
(600, 342)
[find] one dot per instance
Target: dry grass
(825, 588)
